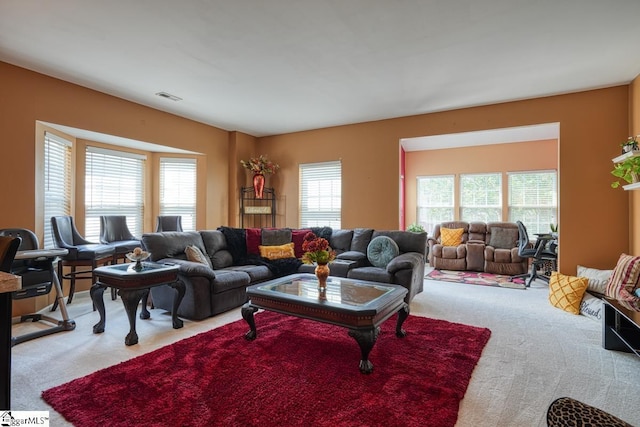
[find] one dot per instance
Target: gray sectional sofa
(232, 265)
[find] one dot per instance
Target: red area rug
(476, 278)
(296, 373)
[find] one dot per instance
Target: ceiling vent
(169, 96)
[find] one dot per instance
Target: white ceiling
(278, 66)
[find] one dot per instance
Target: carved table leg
(403, 313)
(366, 339)
(144, 312)
(180, 290)
(131, 299)
(247, 315)
(96, 292)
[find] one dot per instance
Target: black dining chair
(115, 232)
(82, 253)
(169, 223)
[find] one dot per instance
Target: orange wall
(634, 129)
(592, 124)
(594, 219)
(29, 97)
(487, 158)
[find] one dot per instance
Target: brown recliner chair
(448, 257)
(501, 254)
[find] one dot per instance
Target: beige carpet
(536, 353)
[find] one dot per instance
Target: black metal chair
(115, 232)
(82, 253)
(38, 276)
(539, 254)
(169, 223)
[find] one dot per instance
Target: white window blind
(435, 200)
(178, 189)
(321, 194)
(57, 182)
(114, 186)
(481, 197)
(533, 199)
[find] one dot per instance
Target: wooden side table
(133, 286)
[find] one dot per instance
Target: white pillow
(591, 307)
(597, 278)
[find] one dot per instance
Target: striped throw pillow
(624, 282)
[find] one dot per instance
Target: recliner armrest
(405, 261)
(190, 268)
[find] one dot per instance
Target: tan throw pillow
(277, 252)
(598, 279)
(624, 282)
(195, 254)
(566, 292)
(451, 236)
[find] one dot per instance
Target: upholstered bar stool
(82, 253)
(115, 232)
(169, 223)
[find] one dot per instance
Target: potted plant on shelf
(628, 171)
(631, 144)
(260, 166)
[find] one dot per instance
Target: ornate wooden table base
(359, 306)
(133, 286)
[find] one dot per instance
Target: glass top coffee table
(357, 305)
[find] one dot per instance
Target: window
(114, 186)
(435, 200)
(481, 197)
(57, 182)
(321, 194)
(178, 189)
(533, 199)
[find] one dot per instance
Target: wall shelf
(621, 158)
(257, 213)
(625, 156)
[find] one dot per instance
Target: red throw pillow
(297, 237)
(254, 239)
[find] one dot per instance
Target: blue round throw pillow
(381, 251)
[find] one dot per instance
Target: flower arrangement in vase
(260, 166)
(317, 251)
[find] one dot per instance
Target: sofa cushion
(277, 252)
(253, 239)
(624, 281)
(451, 236)
(297, 237)
(361, 239)
(566, 292)
(341, 240)
(381, 251)
(221, 259)
(324, 232)
(275, 236)
(236, 242)
(195, 254)
(503, 238)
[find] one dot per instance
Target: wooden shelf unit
(257, 213)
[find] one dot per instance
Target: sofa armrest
(190, 268)
(405, 261)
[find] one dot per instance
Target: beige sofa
(489, 247)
